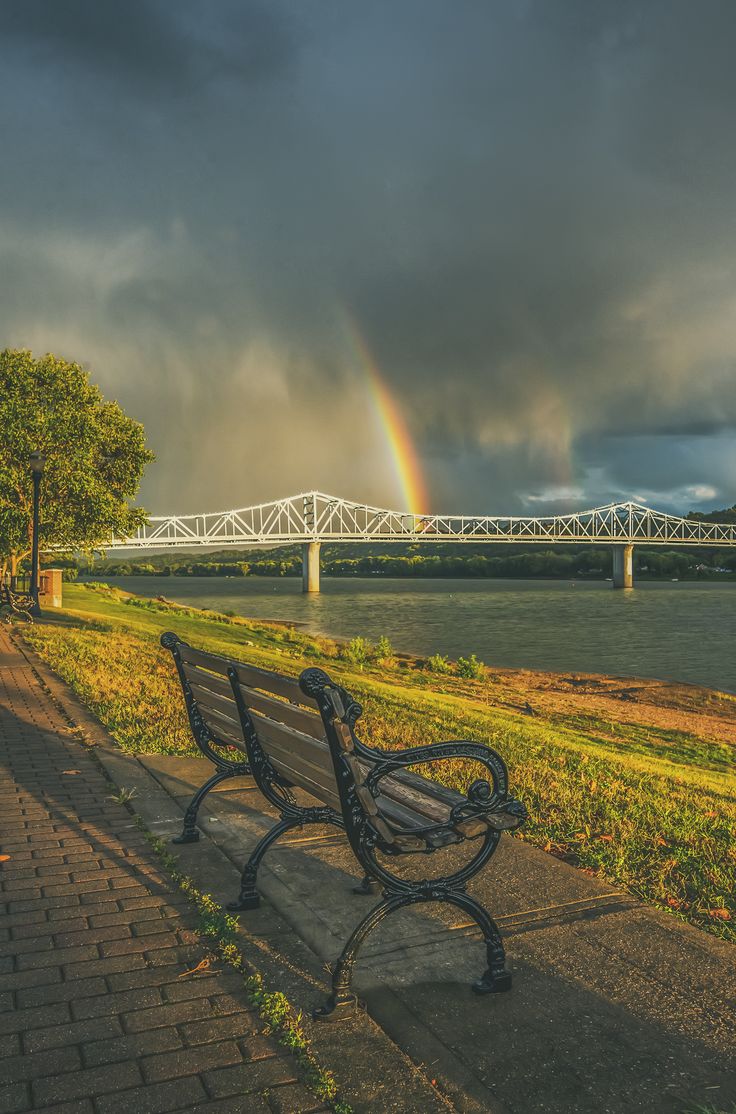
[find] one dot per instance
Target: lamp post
(37, 462)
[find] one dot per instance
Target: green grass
(651, 810)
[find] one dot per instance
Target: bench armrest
(489, 800)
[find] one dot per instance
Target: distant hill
(726, 515)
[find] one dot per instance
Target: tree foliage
(728, 514)
(95, 457)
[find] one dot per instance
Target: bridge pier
(623, 566)
(310, 567)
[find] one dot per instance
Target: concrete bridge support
(623, 566)
(310, 567)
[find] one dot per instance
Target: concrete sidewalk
(615, 1007)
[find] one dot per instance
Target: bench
(13, 602)
(290, 733)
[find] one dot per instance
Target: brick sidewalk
(98, 1013)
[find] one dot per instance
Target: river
(674, 631)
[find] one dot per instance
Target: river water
(674, 631)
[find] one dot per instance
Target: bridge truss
(315, 517)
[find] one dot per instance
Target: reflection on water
(680, 632)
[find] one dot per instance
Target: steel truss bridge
(313, 518)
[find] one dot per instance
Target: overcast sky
(528, 207)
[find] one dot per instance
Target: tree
(95, 458)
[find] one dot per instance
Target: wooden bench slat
(449, 797)
(249, 675)
(431, 801)
(300, 772)
(293, 741)
(213, 662)
(400, 814)
(223, 718)
(305, 761)
(215, 700)
(299, 764)
(220, 685)
(223, 729)
(417, 800)
(311, 785)
(223, 733)
(307, 722)
(287, 687)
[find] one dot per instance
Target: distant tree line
(727, 515)
(591, 563)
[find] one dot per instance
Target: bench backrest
(284, 723)
(287, 725)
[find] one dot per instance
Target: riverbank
(631, 780)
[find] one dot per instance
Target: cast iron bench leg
(189, 831)
(342, 1002)
(497, 978)
(368, 886)
(248, 897)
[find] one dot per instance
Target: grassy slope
(651, 809)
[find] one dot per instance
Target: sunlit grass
(652, 810)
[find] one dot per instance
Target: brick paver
(98, 1013)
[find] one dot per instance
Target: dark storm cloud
(146, 44)
(528, 208)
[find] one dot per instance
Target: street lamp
(37, 461)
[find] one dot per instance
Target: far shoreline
(717, 578)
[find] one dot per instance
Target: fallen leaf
(71, 771)
(711, 815)
(203, 965)
(4, 858)
(606, 839)
(720, 914)
(660, 842)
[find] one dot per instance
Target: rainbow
(407, 467)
